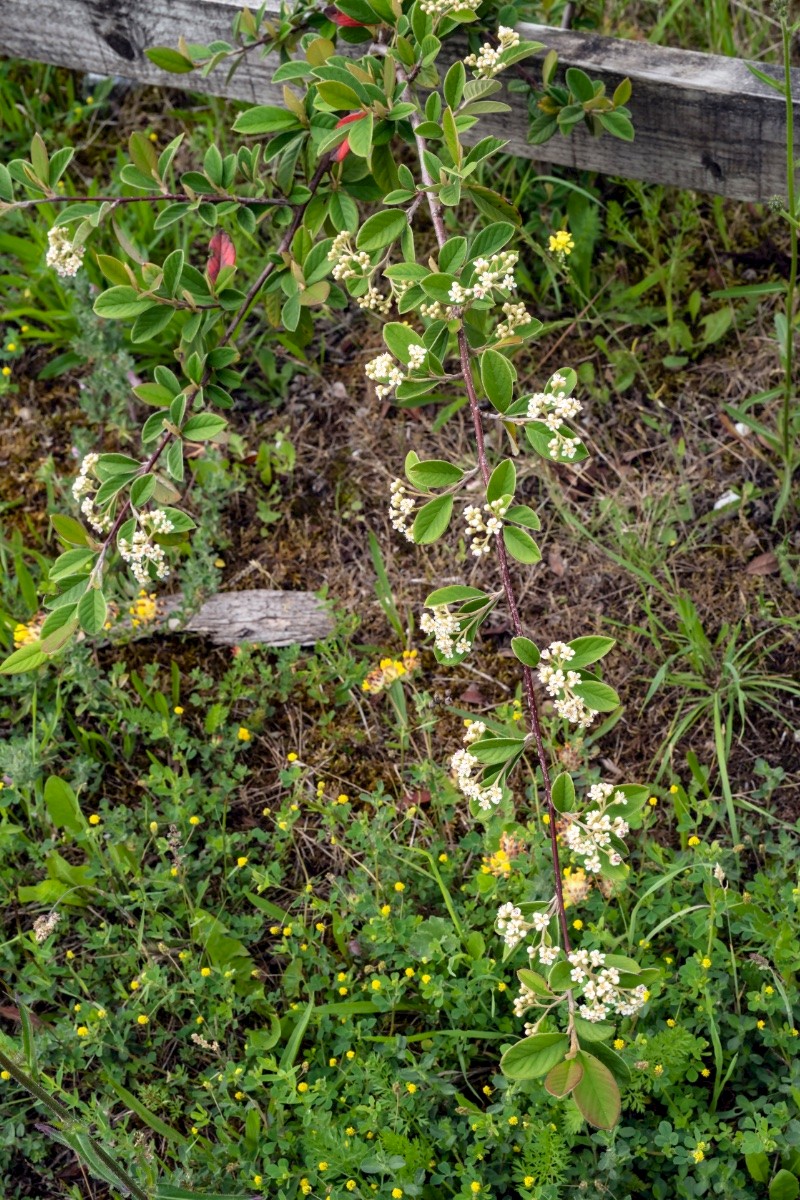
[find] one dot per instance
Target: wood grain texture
(702, 121)
(266, 617)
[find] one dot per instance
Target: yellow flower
(350, 1131)
(194, 820)
(332, 1062)
(619, 1044)
(409, 972)
(385, 910)
(153, 826)
(426, 978)
(794, 1032)
(673, 791)
(244, 734)
(411, 1088)
(320, 928)
(199, 1020)
(241, 860)
(501, 987)
(173, 871)
(653, 801)
(24, 328)
(760, 1024)
(351, 1185)
(399, 887)
(82, 1031)
(474, 1187)
(561, 243)
(11, 347)
(291, 757)
(513, 1120)
(693, 841)
(705, 963)
(302, 1087)
(343, 991)
(70, 955)
(705, 1072)
(143, 1019)
(577, 924)
(77, 1007)
(487, 1091)
(658, 1069)
(698, 1155)
(239, 1096)
(376, 985)
(546, 819)
(94, 819)
(323, 1166)
(153, 137)
(257, 1180)
(350, 1054)
(769, 991)
(671, 1022)
(287, 931)
(529, 1181)
(443, 858)
(396, 1193)
(100, 1013)
(135, 985)
(6, 371)
(178, 710)
(342, 798)
(5, 1076)
(183, 955)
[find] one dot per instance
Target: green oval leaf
(563, 1077)
(534, 1056)
(597, 1094)
(520, 545)
(381, 230)
(434, 472)
(432, 520)
(526, 651)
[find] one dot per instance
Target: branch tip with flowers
(338, 143)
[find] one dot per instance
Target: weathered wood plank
(702, 121)
(267, 617)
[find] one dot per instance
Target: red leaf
(343, 150)
(340, 18)
(223, 254)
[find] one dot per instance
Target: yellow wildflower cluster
(24, 634)
(561, 243)
(144, 609)
(388, 670)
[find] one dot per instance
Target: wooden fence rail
(702, 121)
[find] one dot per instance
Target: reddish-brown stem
(437, 218)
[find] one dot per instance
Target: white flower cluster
(486, 63)
(142, 552)
(560, 682)
(83, 489)
(515, 928)
(494, 272)
(349, 262)
(482, 530)
(401, 506)
(385, 373)
(374, 300)
(416, 356)
(587, 836)
(446, 630)
(437, 8)
(516, 315)
(63, 254)
(462, 765)
(600, 987)
(553, 408)
(435, 311)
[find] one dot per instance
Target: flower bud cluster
(462, 765)
(385, 373)
(486, 63)
(591, 834)
(401, 507)
(553, 408)
(481, 530)
(494, 272)
(516, 315)
(142, 553)
(63, 254)
(446, 630)
(374, 300)
(560, 682)
(437, 8)
(84, 489)
(349, 263)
